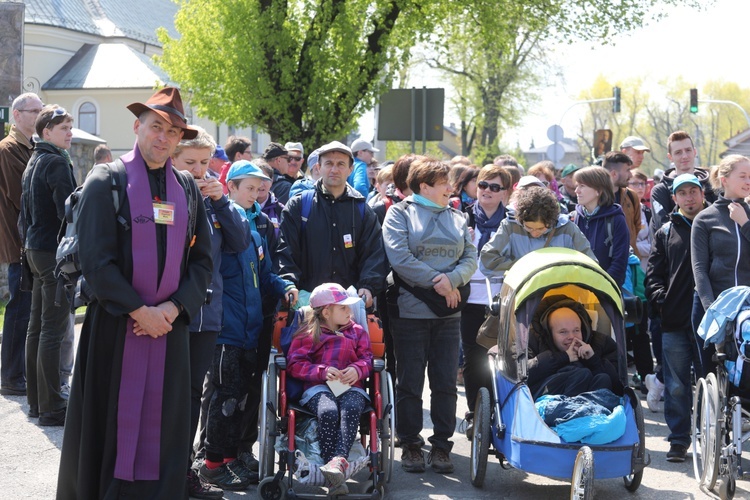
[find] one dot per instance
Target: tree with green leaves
(300, 70)
(494, 52)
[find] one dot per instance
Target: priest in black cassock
(149, 266)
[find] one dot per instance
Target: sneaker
(335, 471)
(53, 418)
(440, 460)
(677, 453)
(198, 488)
(223, 477)
(745, 424)
(249, 460)
(412, 458)
(13, 390)
(65, 391)
(460, 377)
(655, 392)
(468, 424)
(243, 472)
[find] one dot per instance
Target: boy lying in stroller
(565, 356)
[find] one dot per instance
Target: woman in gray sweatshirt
(432, 255)
(720, 240)
(720, 243)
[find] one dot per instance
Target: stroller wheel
(270, 490)
(726, 488)
(480, 440)
(582, 487)
(706, 431)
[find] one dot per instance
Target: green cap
(569, 169)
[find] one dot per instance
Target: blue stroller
(507, 423)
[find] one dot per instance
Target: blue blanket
(596, 417)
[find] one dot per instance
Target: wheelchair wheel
(706, 431)
(480, 441)
(633, 481)
(268, 490)
(582, 487)
(267, 422)
(699, 435)
(387, 444)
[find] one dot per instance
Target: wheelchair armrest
(378, 365)
(280, 362)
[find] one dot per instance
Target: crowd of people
(189, 260)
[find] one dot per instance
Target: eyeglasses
(295, 158)
(639, 184)
(495, 188)
(32, 111)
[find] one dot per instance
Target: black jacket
(281, 185)
(339, 245)
(53, 181)
(669, 276)
(661, 196)
(545, 359)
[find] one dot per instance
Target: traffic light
(693, 100)
(616, 102)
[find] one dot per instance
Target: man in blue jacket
(247, 278)
(363, 152)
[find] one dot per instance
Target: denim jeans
(705, 352)
(679, 352)
(430, 344)
(48, 325)
(13, 363)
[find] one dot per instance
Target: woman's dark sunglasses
(495, 188)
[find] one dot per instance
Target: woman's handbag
(487, 334)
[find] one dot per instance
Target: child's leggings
(338, 421)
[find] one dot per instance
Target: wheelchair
(283, 468)
(717, 431)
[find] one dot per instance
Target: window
(87, 117)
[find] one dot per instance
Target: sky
(699, 46)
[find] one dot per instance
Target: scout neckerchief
(139, 409)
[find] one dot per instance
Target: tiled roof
(107, 65)
(134, 19)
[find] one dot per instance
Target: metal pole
(413, 120)
(719, 101)
(424, 120)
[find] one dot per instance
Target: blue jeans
(431, 344)
(12, 363)
(706, 364)
(679, 352)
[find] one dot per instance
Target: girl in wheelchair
(328, 353)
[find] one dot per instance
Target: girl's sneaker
(335, 471)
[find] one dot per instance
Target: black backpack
(68, 268)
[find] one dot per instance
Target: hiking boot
(440, 460)
(655, 392)
(223, 477)
(335, 471)
(243, 472)
(677, 453)
(198, 488)
(53, 418)
(249, 460)
(412, 458)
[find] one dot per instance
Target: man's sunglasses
(495, 188)
(295, 158)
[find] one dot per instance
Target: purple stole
(139, 409)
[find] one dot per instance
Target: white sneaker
(655, 392)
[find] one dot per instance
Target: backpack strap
(307, 201)
(119, 180)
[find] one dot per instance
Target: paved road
(30, 456)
